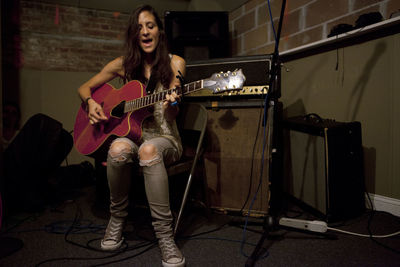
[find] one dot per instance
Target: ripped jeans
(153, 156)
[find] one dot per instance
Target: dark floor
(69, 235)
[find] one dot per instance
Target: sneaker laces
(169, 251)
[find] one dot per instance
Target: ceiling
(160, 5)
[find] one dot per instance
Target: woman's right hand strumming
(95, 112)
(110, 71)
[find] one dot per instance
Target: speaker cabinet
(233, 160)
(323, 166)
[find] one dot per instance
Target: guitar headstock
(225, 81)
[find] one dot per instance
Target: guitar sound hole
(118, 111)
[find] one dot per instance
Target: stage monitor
(198, 35)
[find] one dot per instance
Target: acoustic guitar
(126, 108)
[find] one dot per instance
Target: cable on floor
(363, 235)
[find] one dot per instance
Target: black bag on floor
(37, 151)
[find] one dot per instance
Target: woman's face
(148, 32)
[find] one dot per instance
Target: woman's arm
(178, 64)
(109, 72)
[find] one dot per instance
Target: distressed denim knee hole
(120, 152)
(150, 162)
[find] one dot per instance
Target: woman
(160, 145)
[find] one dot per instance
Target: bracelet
(87, 100)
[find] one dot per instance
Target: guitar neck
(154, 98)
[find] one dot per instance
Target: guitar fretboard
(160, 96)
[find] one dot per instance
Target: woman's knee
(149, 155)
(120, 151)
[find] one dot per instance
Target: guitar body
(89, 139)
(126, 109)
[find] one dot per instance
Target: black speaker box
(323, 166)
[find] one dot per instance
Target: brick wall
(305, 21)
(65, 38)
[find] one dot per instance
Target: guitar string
(149, 99)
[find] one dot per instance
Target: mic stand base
(272, 224)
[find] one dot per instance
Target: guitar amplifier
(256, 69)
(323, 166)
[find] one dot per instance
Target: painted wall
(355, 83)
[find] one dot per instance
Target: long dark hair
(134, 56)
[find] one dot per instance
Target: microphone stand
(271, 104)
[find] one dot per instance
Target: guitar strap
(151, 85)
